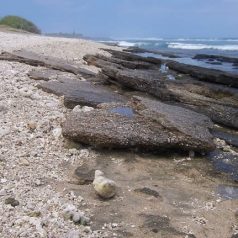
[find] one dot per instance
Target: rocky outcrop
(34, 59)
(83, 93)
(200, 73)
(216, 101)
(205, 74)
(143, 123)
(220, 58)
(137, 50)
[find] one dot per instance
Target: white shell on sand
(103, 186)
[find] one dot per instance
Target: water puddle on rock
(227, 192)
(123, 111)
(225, 162)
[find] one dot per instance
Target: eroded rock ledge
(142, 123)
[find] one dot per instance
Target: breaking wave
(187, 46)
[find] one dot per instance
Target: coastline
(38, 166)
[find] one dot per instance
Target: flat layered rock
(34, 59)
(83, 93)
(218, 102)
(200, 73)
(220, 58)
(205, 74)
(50, 74)
(144, 124)
(98, 60)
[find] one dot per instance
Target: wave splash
(187, 46)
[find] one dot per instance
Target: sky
(130, 18)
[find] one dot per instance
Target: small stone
(24, 162)
(103, 186)
(69, 211)
(114, 225)
(12, 201)
(3, 180)
(84, 175)
(77, 217)
(77, 109)
(84, 221)
(34, 214)
(3, 193)
(31, 125)
(38, 182)
(57, 132)
(87, 229)
(87, 109)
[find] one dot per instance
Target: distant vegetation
(20, 23)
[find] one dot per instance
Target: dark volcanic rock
(83, 93)
(215, 101)
(221, 105)
(225, 162)
(48, 74)
(143, 123)
(33, 59)
(200, 73)
(231, 137)
(84, 175)
(132, 57)
(99, 60)
(205, 74)
(216, 57)
(137, 50)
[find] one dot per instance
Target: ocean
(186, 49)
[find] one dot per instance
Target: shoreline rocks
(144, 124)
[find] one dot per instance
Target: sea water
(186, 49)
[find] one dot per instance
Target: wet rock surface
(158, 224)
(144, 124)
(219, 58)
(218, 102)
(204, 74)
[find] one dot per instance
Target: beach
(168, 195)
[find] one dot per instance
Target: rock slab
(144, 124)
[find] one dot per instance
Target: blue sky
(130, 18)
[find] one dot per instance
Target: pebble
(77, 109)
(87, 109)
(31, 125)
(24, 162)
(3, 193)
(12, 201)
(57, 132)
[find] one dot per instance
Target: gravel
(32, 148)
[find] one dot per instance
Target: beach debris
(104, 187)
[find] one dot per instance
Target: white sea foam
(201, 46)
(126, 44)
(131, 44)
